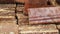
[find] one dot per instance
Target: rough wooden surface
(4, 12)
(7, 1)
(41, 32)
(7, 5)
(8, 20)
(7, 9)
(21, 15)
(8, 28)
(12, 17)
(50, 28)
(36, 27)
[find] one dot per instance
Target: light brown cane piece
(38, 29)
(21, 15)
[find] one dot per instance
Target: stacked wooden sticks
(35, 25)
(17, 18)
(7, 19)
